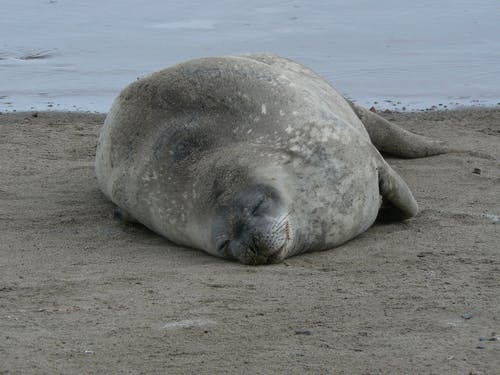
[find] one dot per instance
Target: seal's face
(253, 227)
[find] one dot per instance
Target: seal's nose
(251, 254)
(255, 240)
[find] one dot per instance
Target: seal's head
(253, 226)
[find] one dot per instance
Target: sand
(82, 293)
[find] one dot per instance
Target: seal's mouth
(255, 259)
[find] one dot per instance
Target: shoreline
(394, 107)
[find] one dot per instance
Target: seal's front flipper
(120, 213)
(399, 203)
(392, 139)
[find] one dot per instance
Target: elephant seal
(254, 158)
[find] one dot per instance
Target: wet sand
(81, 292)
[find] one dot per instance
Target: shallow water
(392, 54)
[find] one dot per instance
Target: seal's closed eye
(259, 204)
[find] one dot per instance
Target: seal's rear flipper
(120, 213)
(399, 203)
(392, 139)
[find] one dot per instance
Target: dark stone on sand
(304, 332)
(467, 315)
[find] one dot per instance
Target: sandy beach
(83, 293)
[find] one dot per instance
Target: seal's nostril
(238, 229)
(257, 247)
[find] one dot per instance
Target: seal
(253, 158)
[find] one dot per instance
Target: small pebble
(495, 219)
(304, 332)
(467, 315)
(88, 352)
(487, 339)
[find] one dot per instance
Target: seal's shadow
(150, 241)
